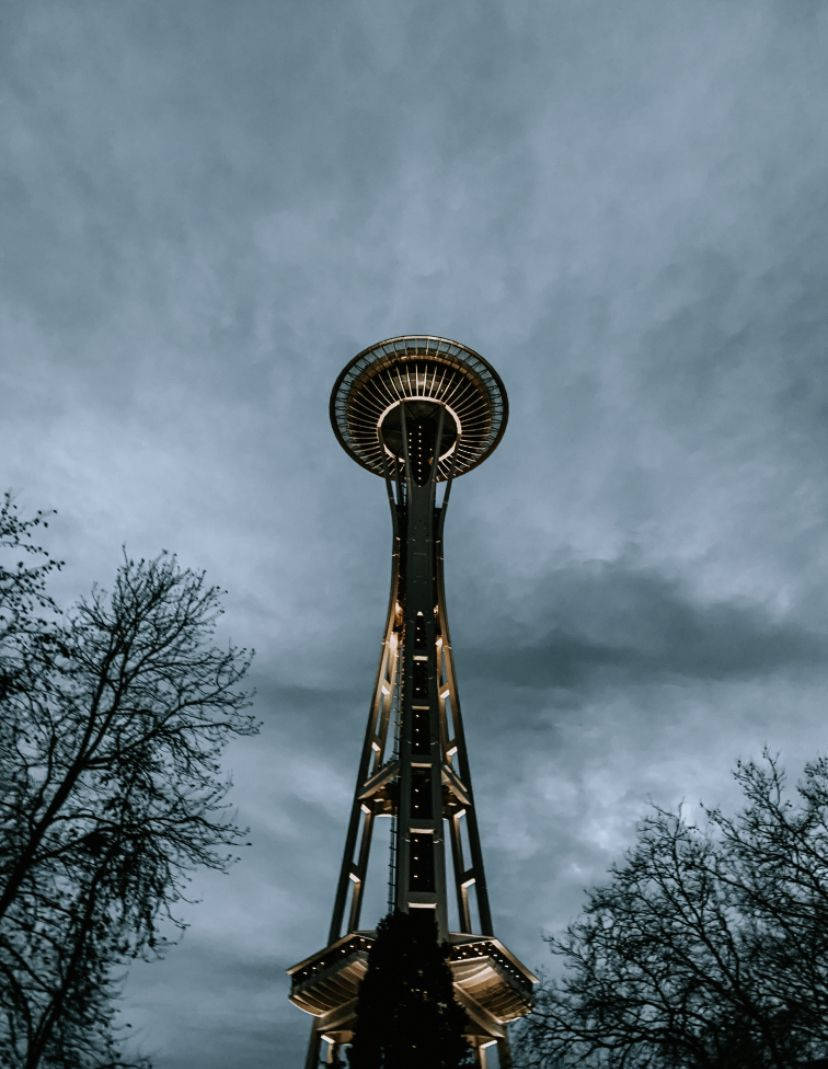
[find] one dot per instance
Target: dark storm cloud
(161, 1020)
(208, 208)
(610, 624)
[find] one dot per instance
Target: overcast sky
(208, 208)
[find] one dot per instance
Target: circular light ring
(420, 397)
(424, 368)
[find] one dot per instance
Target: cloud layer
(207, 209)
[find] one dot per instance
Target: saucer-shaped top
(419, 368)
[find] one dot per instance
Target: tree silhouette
(114, 717)
(25, 605)
(407, 1017)
(708, 948)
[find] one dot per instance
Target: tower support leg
(485, 1054)
(314, 1048)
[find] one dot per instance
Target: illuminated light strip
(463, 379)
(419, 397)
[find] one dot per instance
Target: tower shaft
(414, 765)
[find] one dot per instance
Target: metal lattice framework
(425, 368)
(417, 410)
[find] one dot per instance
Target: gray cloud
(207, 210)
(612, 623)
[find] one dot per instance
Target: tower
(419, 412)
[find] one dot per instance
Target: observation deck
(423, 369)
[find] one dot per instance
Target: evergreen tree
(406, 1014)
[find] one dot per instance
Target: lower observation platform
(491, 985)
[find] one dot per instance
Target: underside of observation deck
(419, 368)
(489, 982)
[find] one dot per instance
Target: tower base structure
(418, 411)
(489, 982)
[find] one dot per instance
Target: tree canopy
(707, 948)
(114, 717)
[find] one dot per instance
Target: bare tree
(708, 947)
(61, 1001)
(112, 794)
(25, 605)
